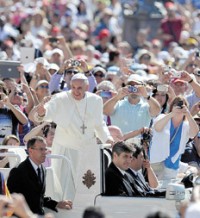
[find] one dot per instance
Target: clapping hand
(41, 110)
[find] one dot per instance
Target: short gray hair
(31, 142)
(121, 147)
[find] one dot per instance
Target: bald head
(116, 133)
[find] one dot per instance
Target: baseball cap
(178, 81)
(98, 69)
(56, 29)
(135, 78)
(170, 5)
(57, 51)
(41, 82)
(53, 66)
(191, 41)
(104, 33)
(143, 52)
(42, 60)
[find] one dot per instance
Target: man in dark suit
(117, 181)
(138, 161)
(29, 179)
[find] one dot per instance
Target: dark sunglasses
(191, 65)
(71, 72)
(44, 86)
(146, 57)
(19, 93)
(99, 75)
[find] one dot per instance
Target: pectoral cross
(83, 127)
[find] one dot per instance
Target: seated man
(192, 152)
(138, 161)
(29, 179)
(117, 181)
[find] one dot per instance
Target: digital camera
(162, 88)
(132, 89)
(146, 137)
(180, 104)
(53, 39)
(197, 73)
(175, 73)
(75, 63)
(106, 94)
(166, 69)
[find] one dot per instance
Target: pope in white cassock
(79, 118)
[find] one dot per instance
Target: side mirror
(175, 192)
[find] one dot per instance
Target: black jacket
(24, 180)
(117, 185)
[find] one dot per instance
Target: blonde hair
(8, 137)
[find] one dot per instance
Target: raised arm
(193, 125)
(37, 131)
(16, 111)
(29, 95)
(109, 106)
(162, 122)
(154, 107)
(132, 134)
(196, 86)
(152, 179)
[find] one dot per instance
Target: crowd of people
(86, 85)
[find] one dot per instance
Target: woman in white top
(171, 132)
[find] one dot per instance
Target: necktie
(126, 177)
(142, 183)
(129, 188)
(39, 175)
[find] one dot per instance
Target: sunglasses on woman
(44, 86)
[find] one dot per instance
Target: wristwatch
(148, 97)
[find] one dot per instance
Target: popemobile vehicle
(90, 187)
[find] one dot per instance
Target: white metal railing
(6, 171)
(11, 146)
(11, 154)
(66, 160)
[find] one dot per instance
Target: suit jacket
(143, 187)
(24, 180)
(116, 184)
(140, 181)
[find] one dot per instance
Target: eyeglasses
(40, 149)
(19, 93)
(44, 87)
